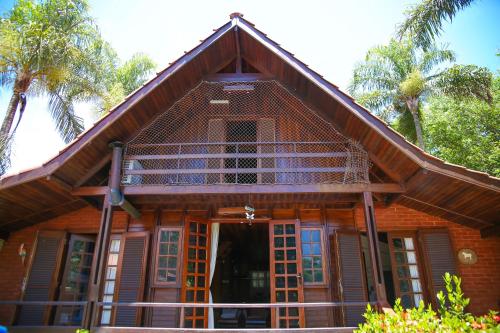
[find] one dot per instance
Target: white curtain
(214, 243)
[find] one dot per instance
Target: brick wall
(479, 281)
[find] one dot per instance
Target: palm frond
(68, 124)
(424, 21)
(465, 82)
(379, 102)
(433, 57)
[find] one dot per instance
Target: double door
(285, 272)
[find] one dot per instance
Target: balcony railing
(342, 306)
(243, 163)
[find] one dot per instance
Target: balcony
(261, 163)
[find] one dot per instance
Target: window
(167, 261)
(405, 270)
(312, 256)
(241, 131)
(258, 279)
(110, 279)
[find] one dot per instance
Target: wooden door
(286, 273)
(75, 282)
(196, 271)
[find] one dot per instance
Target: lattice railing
(242, 133)
(242, 163)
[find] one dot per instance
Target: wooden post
(102, 244)
(98, 265)
(374, 249)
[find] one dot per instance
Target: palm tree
(395, 80)
(44, 50)
(424, 21)
(52, 48)
(124, 79)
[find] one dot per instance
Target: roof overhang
(438, 188)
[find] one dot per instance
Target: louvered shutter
(216, 133)
(351, 276)
(43, 277)
(131, 278)
(439, 258)
(266, 133)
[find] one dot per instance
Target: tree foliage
(423, 319)
(53, 48)
(395, 81)
(465, 132)
(424, 21)
(124, 79)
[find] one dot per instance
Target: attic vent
(219, 101)
(239, 87)
(132, 179)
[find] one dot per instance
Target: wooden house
(240, 189)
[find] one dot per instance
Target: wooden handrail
(61, 303)
(236, 305)
(235, 143)
(176, 156)
(231, 171)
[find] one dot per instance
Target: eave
(452, 192)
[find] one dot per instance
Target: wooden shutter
(266, 133)
(132, 264)
(351, 280)
(439, 258)
(43, 277)
(216, 133)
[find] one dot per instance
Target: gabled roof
(449, 191)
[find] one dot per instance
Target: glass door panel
(406, 272)
(196, 270)
(286, 273)
(75, 280)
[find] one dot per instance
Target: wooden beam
(56, 180)
(386, 169)
(88, 191)
(105, 329)
(493, 231)
(242, 188)
(238, 52)
(93, 170)
(239, 77)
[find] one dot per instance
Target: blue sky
(329, 36)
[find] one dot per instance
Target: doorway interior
(242, 275)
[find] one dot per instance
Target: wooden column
(102, 243)
(98, 264)
(374, 249)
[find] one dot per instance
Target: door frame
(270, 222)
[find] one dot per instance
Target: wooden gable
(431, 185)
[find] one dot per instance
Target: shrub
(451, 318)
